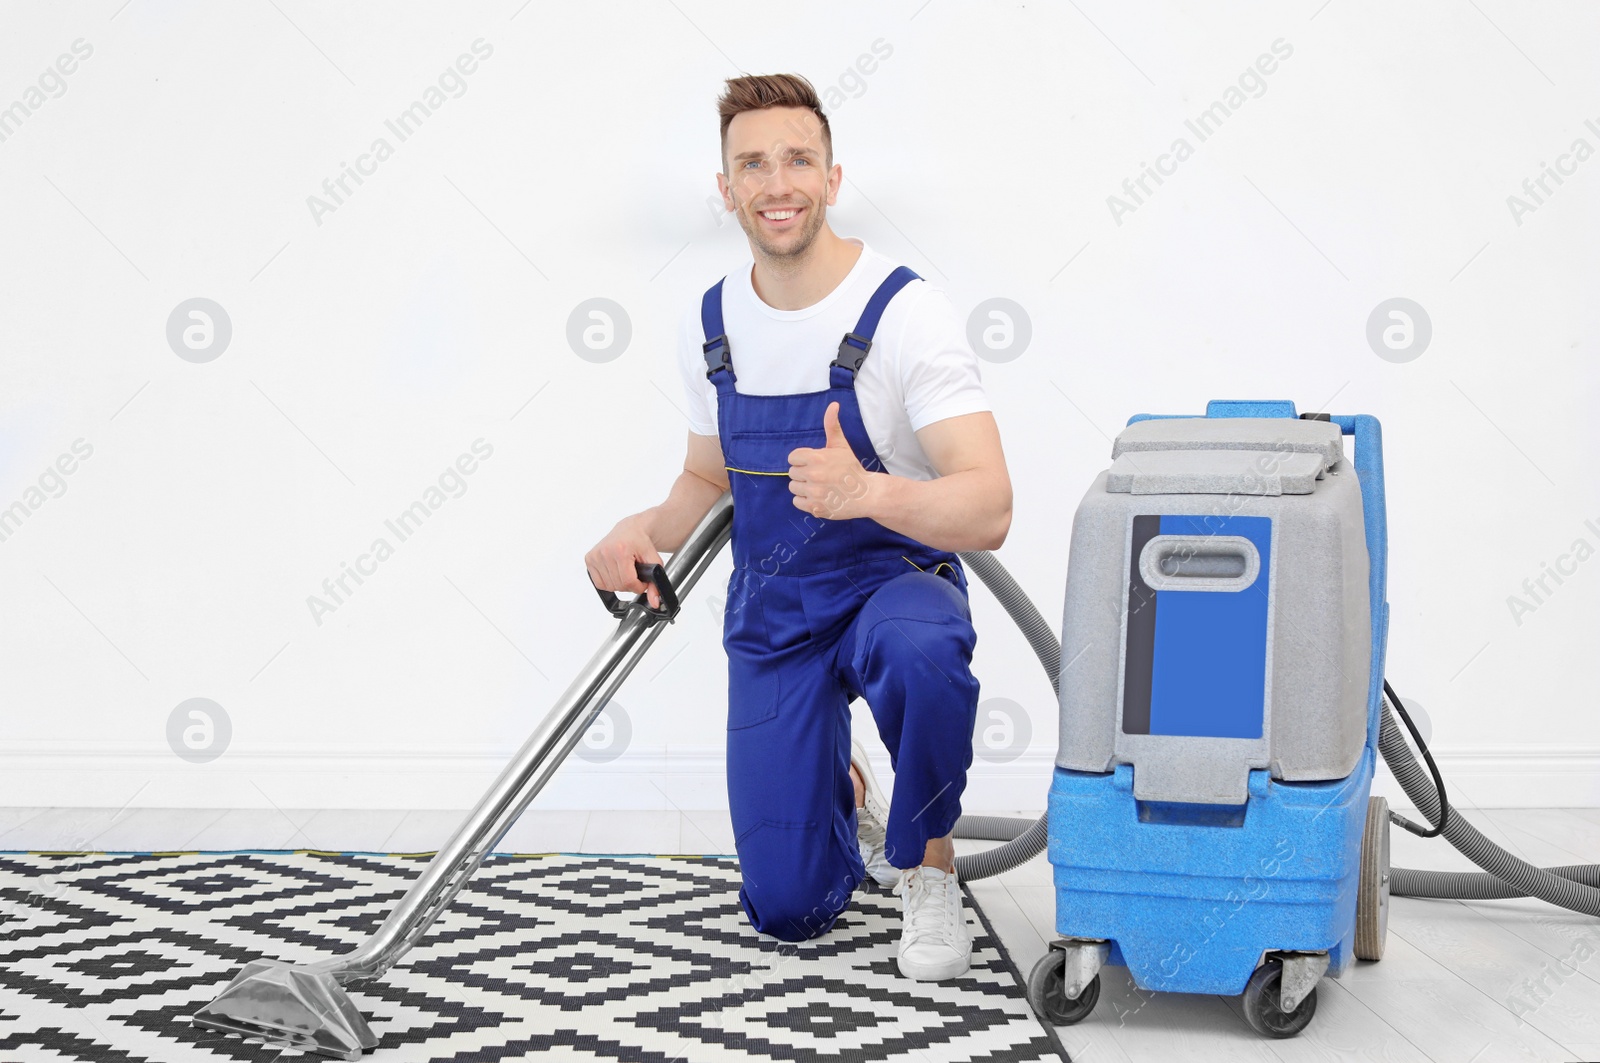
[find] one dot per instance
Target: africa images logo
(1137, 190)
(453, 81)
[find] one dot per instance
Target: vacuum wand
(303, 1005)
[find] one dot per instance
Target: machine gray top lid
(1233, 433)
(1215, 472)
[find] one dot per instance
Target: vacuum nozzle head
(297, 1007)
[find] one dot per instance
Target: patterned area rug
(104, 956)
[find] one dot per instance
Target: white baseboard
(1526, 777)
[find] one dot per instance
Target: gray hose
(992, 828)
(1025, 839)
(1475, 885)
(1573, 888)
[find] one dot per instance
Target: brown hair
(759, 91)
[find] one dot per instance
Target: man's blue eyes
(758, 162)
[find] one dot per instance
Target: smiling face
(777, 180)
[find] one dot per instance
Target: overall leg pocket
(765, 632)
(753, 693)
(752, 680)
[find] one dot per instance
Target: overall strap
(855, 345)
(718, 356)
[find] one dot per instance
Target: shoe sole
(934, 972)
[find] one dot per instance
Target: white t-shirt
(921, 368)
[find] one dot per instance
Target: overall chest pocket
(767, 453)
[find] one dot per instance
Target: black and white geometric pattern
(104, 956)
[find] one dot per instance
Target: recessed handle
(1199, 563)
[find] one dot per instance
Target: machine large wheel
(1047, 993)
(1372, 891)
(1263, 1006)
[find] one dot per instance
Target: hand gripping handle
(649, 573)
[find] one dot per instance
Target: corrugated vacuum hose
(1503, 875)
(1024, 838)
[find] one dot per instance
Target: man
(854, 483)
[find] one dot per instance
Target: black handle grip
(649, 573)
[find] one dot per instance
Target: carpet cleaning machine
(1209, 819)
(1211, 823)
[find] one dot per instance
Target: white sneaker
(934, 942)
(872, 822)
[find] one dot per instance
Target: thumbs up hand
(829, 481)
(830, 425)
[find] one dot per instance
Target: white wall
(373, 344)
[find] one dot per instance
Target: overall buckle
(852, 351)
(717, 354)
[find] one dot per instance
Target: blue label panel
(1197, 660)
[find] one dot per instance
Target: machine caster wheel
(1372, 889)
(1262, 1004)
(1047, 992)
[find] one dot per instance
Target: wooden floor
(1459, 983)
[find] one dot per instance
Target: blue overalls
(820, 612)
